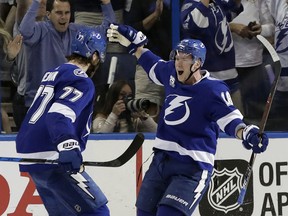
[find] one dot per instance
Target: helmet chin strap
(192, 72)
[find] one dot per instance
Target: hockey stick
(265, 115)
(121, 160)
(112, 71)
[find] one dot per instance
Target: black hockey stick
(121, 160)
(277, 66)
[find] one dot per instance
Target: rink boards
(267, 193)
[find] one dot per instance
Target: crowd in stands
(36, 35)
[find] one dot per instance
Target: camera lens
(136, 105)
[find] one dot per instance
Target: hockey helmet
(88, 41)
(190, 46)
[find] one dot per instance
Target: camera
(136, 105)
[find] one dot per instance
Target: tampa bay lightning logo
(282, 37)
(88, 125)
(223, 37)
(178, 110)
(80, 73)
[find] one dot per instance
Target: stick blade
(121, 160)
(125, 157)
(269, 47)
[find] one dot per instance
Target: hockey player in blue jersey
(57, 126)
(196, 108)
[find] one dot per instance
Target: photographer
(121, 113)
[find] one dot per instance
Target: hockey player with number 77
(57, 126)
(196, 108)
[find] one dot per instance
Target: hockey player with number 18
(57, 126)
(196, 108)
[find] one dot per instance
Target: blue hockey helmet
(88, 41)
(190, 46)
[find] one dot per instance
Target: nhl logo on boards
(220, 191)
(224, 188)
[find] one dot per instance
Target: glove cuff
(140, 39)
(68, 145)
(246, 131)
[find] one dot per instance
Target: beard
(92, 69)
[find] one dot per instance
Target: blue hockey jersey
(211, 26)
(62, 109)
(192, 115)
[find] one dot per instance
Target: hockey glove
(70, 157)
(126, 36)
(253, 140)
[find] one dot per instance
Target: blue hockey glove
(126, 36)
(253, 140)
(70, 157)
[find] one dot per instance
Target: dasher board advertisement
(267, 193)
